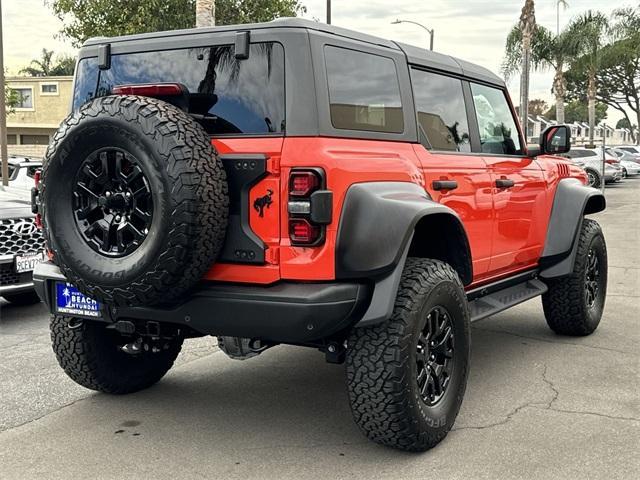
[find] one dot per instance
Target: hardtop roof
(415, 55)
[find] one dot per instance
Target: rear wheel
(407, 376)
(23, 298)
(573, 305)
(93, 356)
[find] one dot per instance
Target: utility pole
(3, 114)
(328, 12)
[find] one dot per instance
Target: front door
(518, 183)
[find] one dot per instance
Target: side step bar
(492, 303)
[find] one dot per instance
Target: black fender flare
(572, 201)
(377, 225)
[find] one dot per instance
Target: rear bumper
(284, 312)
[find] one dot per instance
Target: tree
(618, 75)
(537, 106)
(93, 18)
(625, 123)
(45, 66)
(11, 99)
(547, 51)
(577, 111)
(588, 34)
(205, 13)
(527, 29)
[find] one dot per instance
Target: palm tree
(527, 28)
(205, 13)
(547, 51)
(588, 33)
(40, 67)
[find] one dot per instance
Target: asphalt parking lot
(537, 405)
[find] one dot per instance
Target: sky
(474, 30)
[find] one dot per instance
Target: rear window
(226, 95)
(364, 92)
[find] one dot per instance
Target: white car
(633, 149)
(590, 159)
(630, 162)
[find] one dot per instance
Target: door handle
(444, 184)
(504, 183)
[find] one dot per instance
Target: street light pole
(430, 30)
(328, 12)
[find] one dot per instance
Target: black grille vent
(19, 236)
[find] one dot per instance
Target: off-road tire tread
(86, 358)
(564, 305)
(199, 193)
(377, 359)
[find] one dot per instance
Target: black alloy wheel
(113, 202)
(592, 278)
(435, 356)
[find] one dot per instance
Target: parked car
(590, 159)
(629, 162)
(372, 209)
(634, 149)
(21, 249)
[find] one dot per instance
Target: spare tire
(134, 200)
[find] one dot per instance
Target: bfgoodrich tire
(406, 377)
(134, 200)
(573, 305)
(91, 356)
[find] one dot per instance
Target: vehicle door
(518, 182)
(453, 176)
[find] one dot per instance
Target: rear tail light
(303, 182)
(302, 232)
(309, 207)
(611, 161)
(35, 201)
(149, 89)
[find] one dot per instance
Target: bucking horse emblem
(262, 202)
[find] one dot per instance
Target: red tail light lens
(302, 183)
(37, 176)
(302, 232)
(611, 162)
(148, 89)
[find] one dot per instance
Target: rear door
(518, 183)
(453, 175)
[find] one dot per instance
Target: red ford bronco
(297, 183)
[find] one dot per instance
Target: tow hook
(335, 352)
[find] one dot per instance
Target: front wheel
(406, 377)
(93, 356)
(573, 305)
(594, 179)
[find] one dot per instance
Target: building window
(11, 139)
(24, 97)
(49, 88)
(34, 139)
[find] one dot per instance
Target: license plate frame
(70, 301)
(28, 262)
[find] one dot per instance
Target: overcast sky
(474, 30)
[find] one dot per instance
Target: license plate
(72, 302)
(26, 263)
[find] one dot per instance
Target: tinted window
(85, 82)
(226, 95)
(441, 111)
(364, 92)
(498, 131)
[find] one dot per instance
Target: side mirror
(555, 140)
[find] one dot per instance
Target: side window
(498, 130)
(364, 92)
(441, 111)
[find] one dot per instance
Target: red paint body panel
(506, 228)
